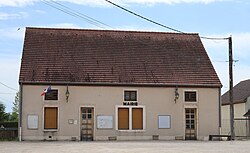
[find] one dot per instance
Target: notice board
(104, 122)
(164, 122)
(32, 121)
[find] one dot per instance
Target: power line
(157, 23)
(213, 38)
(8, 86)
(70, 13)
(226, 61)
(74, 13)
(140, 16)
(90, 18)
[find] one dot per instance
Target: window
(52, 95)
(50, 118)
(190, 96)
(130, 118)
(130, 95)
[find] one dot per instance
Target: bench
(219, 136)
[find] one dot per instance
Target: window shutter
(50, 117)
(137, 118)
(123, 118)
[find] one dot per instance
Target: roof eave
(120, 84)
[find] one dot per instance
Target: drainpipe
(220, 111)
(20, 110)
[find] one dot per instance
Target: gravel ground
(127, 147)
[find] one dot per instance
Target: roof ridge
(118, 30)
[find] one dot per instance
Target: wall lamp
(176, 94)
(67, 94)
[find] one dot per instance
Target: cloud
(9, 64)
(12, 33)
(17, 33)
(40, 11)
(19, 3)
(7, 16)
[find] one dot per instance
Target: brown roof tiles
(115, 57)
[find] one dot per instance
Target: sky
(209, 18)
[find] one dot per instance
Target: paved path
(127, 147)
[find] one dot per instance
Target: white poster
(164, 122)
(104, 122)
(32, 121)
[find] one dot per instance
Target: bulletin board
(32, 121)
(164, 122)
(104, 122)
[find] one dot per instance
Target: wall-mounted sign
(104, 122)
(131, 103)
(70, 121)
(164, 122)
(32, 121)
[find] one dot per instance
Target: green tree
(2, 112)
(15, 108)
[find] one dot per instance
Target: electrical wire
(8, 86)
(88, 17)
(157, 23)
(74, 13)
(140, 16)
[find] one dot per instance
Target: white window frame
(197, 96)
(58, 96)
(58, 113)
(130, 118)
(130, 90)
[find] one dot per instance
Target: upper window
(52, 95)
(130, 95)
(190, 96)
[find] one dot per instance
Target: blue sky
(210, 18)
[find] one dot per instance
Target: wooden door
(87, 124)
(191, 127)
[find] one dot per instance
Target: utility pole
(231, 88)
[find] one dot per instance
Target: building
(116, 85)
(241, 100)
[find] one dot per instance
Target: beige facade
(105, 101)
(241, 126)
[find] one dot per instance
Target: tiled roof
(115, 57)
(240, 93)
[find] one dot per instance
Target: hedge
(9, 124)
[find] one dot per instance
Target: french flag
(47, 90)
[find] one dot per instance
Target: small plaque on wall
(70, 121)
(33, 122)
(164, 122)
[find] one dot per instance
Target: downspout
(220, 111)
(20, 111)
